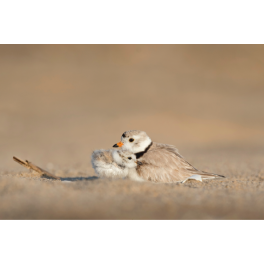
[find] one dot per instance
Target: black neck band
(140, 154)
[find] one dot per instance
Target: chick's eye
(131, 139)
(129, 158)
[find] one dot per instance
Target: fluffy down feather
(105, 166)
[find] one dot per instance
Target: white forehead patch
(136, 136)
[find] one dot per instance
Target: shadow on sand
(72, 179)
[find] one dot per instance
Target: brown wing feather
(163, 163)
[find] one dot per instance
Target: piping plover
(129, 161)
(160, 162)
(115, 164)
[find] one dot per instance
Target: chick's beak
(118, 145)
(139, 162)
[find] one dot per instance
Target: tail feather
(203, 175)
(210, 175)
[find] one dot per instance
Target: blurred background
(58, 103)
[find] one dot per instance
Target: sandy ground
(24, 195)
(59, 103)
(78, 196)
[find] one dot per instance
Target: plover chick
(115, 163)
(160, 162)
(128, 160)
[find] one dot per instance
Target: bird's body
(159, 162)
(129, 161)
(105, 166)
(115, 164)
(163, 163)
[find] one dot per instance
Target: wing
(163, 163)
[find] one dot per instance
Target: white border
(131, 22)
(131, 242)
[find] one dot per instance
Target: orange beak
(118, 145)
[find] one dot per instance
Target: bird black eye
(131, 139)
(129, 158)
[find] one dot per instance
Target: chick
(115, 164)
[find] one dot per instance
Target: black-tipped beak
(139, 162)
(118, 145)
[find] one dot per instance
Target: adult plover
(160, 162)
